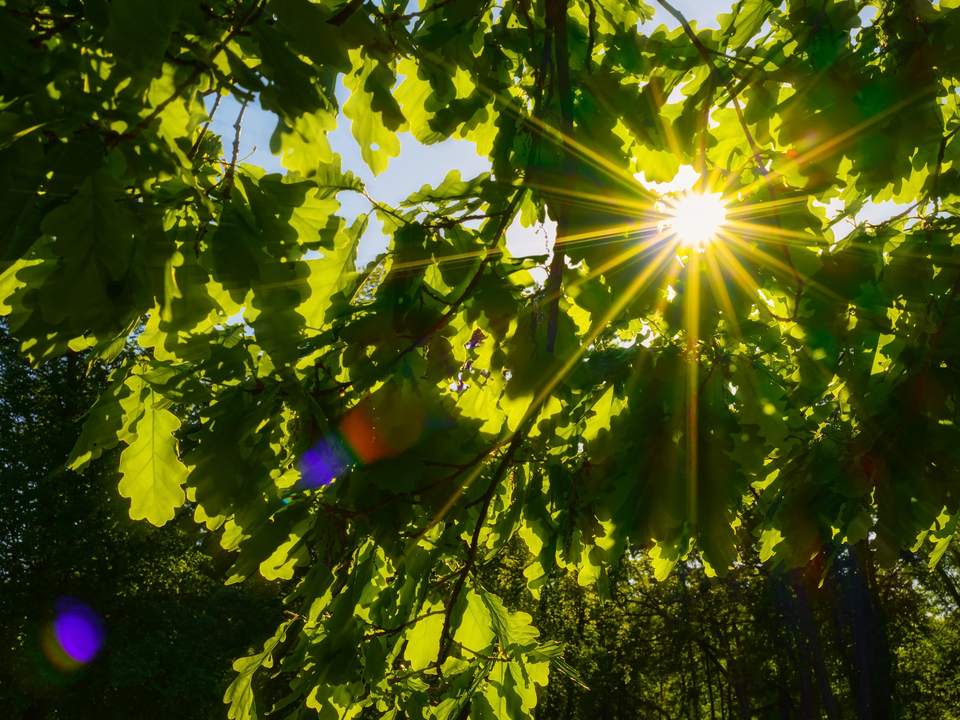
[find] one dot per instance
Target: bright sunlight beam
(696, 218)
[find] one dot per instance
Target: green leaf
(107, 424)
(153, 475)
(94, 236)
(376, 116)
(509, 694)
(513, 630)
(473, 628)
(423, 641)
(333, 278)
(751, 14)
(239, 695)
(138, 34)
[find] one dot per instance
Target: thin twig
(392, 631)
(898, 216)
(437, 6)
(59, 26)
(737, 58)
(478, 655)
(453, 222)
(251, 16)
(228, 178)
(380, 206)
(475, 541)
(203, 131)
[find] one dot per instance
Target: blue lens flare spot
(76, 635)
(324, 463)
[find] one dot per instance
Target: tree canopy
(172, 630)
(378, 436)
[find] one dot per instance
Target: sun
(696, 218)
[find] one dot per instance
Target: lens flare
(324, 463)
(359, 440)
(75, 637)
(696, 218)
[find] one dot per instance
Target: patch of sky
(256, 129)
(676, 95)
(685, 179)
(704, 12)
(871, 213)
(416, 166)
(867, 16)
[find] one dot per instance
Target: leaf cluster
(377, 437)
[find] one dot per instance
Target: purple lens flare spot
(324, 463)
(78, 630)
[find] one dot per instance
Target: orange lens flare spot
(358, 431)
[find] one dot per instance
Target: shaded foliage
(172, 628)
(377, 438)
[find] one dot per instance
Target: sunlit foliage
(379, 436)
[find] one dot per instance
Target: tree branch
(591, 21)
(557, 21)
(436, 6)
(203, 131)
(341, 17)
(251, 16)
(228, 178)
(936, 174)
(474, 541)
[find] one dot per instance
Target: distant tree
(759, 643)
(172, 628)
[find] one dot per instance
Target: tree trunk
(807, 704)
(743, 701)
(870, 644)
(783, 699)
(809, 630)
(713, 712)
(556, 17)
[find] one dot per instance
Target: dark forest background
(841, 640)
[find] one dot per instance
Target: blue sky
(419, 165)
